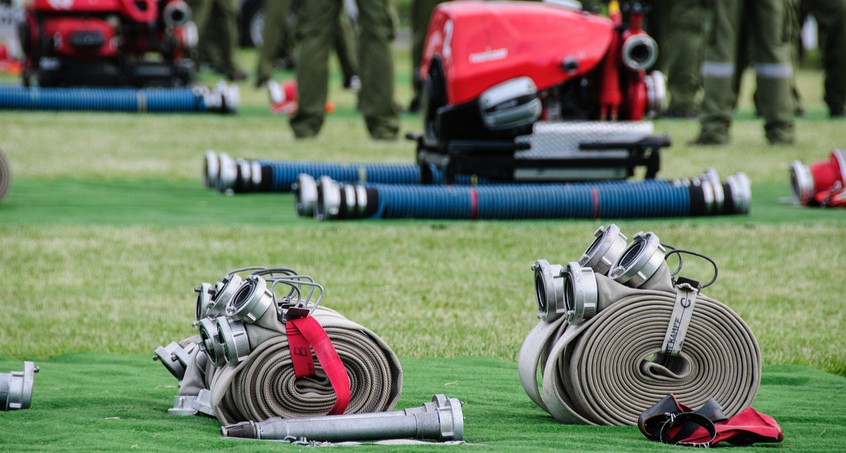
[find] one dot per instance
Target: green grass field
(107, 229)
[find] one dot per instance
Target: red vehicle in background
(494, 71)
(108, 42)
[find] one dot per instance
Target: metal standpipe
(441, 420)
(16, 388)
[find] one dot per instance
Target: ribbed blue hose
(102, 99)
(619, 199)
(285, 173)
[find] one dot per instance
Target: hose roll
(608, 370)
(622, 348)
(264, 385)
(266, 348)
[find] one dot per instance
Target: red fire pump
(539, 91)
(108, 42)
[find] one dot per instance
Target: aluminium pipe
(441, 419)
(618, 199)
(221, 98)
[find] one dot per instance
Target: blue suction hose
(221, 98)
(620, 199)
(226, 174)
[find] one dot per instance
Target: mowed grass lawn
(107, 229)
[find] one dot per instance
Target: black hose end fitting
(244, 430)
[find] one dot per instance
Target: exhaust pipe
(441, 419)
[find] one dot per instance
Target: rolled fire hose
(264, 385)
(221, 98)
(241, 366)
(607, 369)
(704, 195)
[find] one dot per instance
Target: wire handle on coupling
(296, 304)
(243, 269)
(679, 252)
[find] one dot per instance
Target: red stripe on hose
(594, 196)
(474, 204)
(303, 335)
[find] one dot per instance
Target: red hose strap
(474, 204)
(594, 198)
(305, 334)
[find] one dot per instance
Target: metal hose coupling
(176, 13)
(605, 250)
(441, 419)
(709, 196)
(569, 291)
(16, 388)
(640, 261)
(344, 201)
(305, 195)
(211, 169)
(807, 180)
(221, 98)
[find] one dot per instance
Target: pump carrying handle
(146, 15)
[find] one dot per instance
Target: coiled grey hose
(264, 385)
(609, 369)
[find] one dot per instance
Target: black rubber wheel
(433, 97)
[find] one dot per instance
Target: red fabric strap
(305, 334)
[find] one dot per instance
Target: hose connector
(738, 189)
(175, 358)
(639, 52)
(605, 250)
(234, 341)
(640, 261)
(211, 169)
(16, 388)
(251, 300)
(209, 341)
(328, 199)
(176, 13)
(581, 293)
(549, 290)
(305, 194)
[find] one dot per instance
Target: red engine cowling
(108, 42)
(484, 43)
(492, 69)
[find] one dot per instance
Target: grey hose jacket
(264, 385)
(609, 369)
